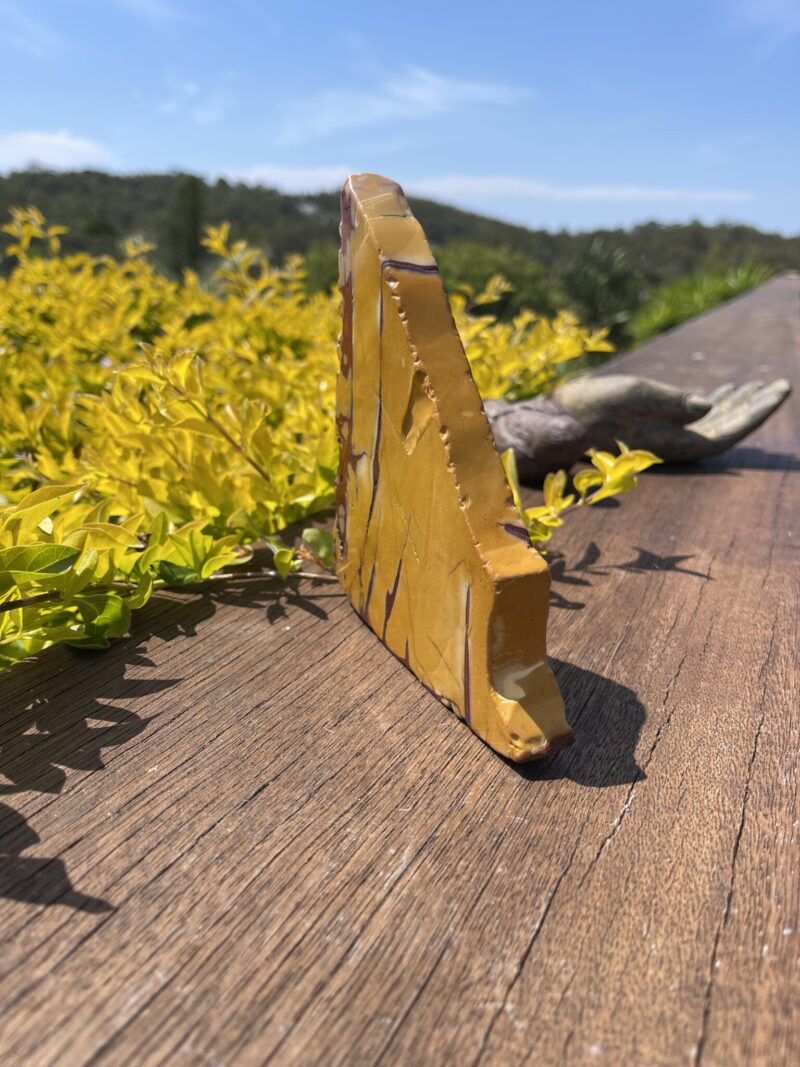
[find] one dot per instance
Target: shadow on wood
(44, 732)
(731, 462)
(607, 719)
(34, 879)
(589, 566)
(276, 596)
(45, 724)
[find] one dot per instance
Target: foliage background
(153, 429)
(604, 276)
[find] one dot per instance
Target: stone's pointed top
(428, 543)
(399, 245)
(378, 196)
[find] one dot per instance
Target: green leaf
(554, 485)
(102, 535)
(175, 574)
(179, 364)
(82, 574)
(585, 479)
(284, 558)
(104, 615)
(199, 426)
(24, 564)
(321, 544)
(139, 373)
(139, 597)
(274, 543)
(509, 461)
(615, 474)
(38, 505)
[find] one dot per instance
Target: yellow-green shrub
(151, 430)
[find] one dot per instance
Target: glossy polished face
(430, 546)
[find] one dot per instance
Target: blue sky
(574, 114)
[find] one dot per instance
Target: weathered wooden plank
(259, 839)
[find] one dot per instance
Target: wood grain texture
(197, 867)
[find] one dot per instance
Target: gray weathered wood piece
(247, 835)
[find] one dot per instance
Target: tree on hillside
(468, 265)
(185, 226)
(603, 287)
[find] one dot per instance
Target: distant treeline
(605, 275)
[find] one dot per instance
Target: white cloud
(28, 34)
(460, 187)
(292, 179)
(414, 94)
(60, 150)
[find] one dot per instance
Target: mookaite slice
(430, 547)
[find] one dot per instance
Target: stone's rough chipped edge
(349, 459)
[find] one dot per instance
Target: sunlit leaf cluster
(152, 430)
(525, 356)
(608, 476)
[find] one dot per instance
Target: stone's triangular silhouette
(429, 545)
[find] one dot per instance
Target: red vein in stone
(365, 609)
(390, 598)
(516, 531)
(467, 707)
(414, 268)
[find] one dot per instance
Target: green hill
(102, 209)
(605, 276)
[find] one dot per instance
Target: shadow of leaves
(61, 711)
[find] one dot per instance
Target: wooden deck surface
(247, 835)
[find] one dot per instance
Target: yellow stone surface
(429, 545)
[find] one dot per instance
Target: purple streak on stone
(517, 531)
(365, 610)
(390, 599)
(415, 268)
(376, 462)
